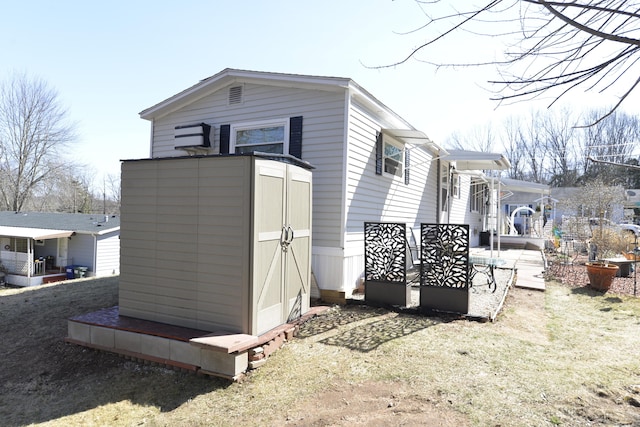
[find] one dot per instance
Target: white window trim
(390, 141)
(476, 197)
(455, 184)
(445, 188)
(257, 125)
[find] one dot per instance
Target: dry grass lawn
(570, 357)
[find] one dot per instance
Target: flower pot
(601, 275)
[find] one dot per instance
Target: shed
(216, 242)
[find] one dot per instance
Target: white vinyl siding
(339, 135)
(460, 199)
(372, 197)
(323, 139)
(81, 252)
(108, 254)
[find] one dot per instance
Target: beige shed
(218, 242)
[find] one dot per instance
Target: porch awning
(477, 160)
(33, 233)
(525, 186)
(413, 136)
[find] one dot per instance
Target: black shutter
(295, 136)
(225, 133)
(407, 162)
(379, 153)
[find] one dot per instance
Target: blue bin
(70, 274)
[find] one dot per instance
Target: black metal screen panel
(385, 252)
(444, 255)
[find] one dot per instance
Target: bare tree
(113, 189)
(531, 141)
(613, 140)
(33, 130)
(554, 47)
(561, 144)
(479, 138)
(514, 149)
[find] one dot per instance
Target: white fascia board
(230, 76)
(33, 233)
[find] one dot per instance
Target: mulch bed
(574, 275)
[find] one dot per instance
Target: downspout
(492, 224)
(438, 191)
(153, 122)
(29, 257)
(498, 212)
(95, 256)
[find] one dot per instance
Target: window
(393, 155)
(476, 198)
(18, 245)
(444, 189)
(266, 137)
(455, 183)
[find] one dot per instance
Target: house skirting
(337, 269)
(25, 281)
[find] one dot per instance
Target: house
(370, 164)
(37, 247)
(254, 181)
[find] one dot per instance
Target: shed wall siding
(322, 142)
(184, 250)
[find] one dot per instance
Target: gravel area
(574, 274)
(483, 304)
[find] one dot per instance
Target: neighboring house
(37, 247)
(563, 194)
(370, 164)
(522, 204)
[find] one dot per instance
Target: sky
(110, 60)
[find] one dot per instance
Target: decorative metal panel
(445, 255)
(385, 252)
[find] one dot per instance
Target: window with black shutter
(276, 136)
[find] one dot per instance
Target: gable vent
(235, 95)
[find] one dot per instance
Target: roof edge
(231, 75)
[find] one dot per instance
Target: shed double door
(282, 244)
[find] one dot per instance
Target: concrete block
(155, 346)
(184, 352)
(103, 337)
(79, 331)
(129, 341)
(226, 364)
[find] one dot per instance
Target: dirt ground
(352, 366)
(375, 403)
